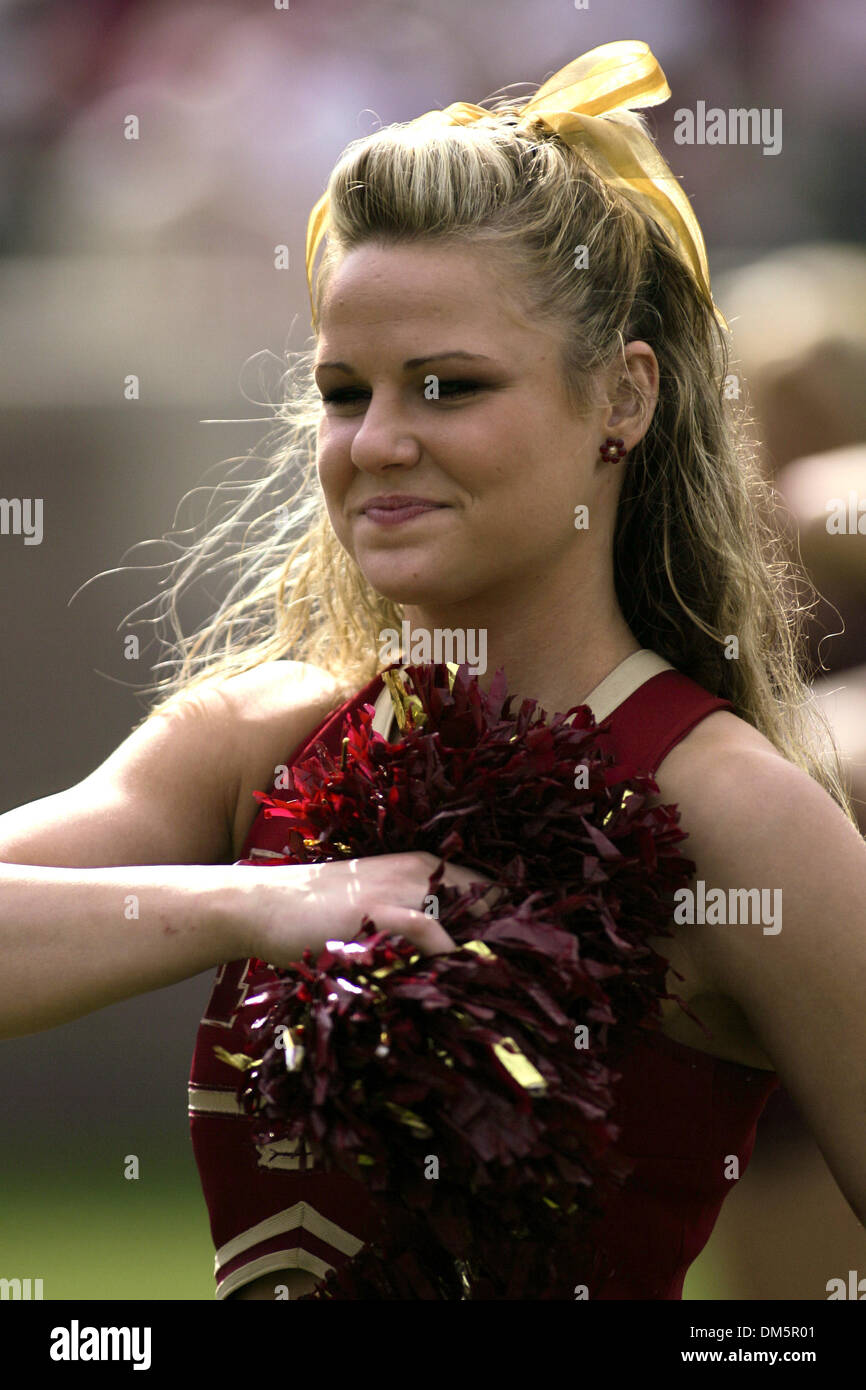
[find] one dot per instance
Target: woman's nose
(384, 438)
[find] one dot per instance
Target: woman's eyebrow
(414, 361)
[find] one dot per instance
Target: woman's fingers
(424, 931)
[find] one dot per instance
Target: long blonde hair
(698, 557)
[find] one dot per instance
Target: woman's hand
(277, 912)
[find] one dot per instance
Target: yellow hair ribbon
(616, 76)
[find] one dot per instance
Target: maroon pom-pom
(497, 1060)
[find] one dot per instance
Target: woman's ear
(634, 393)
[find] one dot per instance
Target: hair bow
(614, 77)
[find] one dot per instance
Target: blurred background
(155, 257)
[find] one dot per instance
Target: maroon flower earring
(612, 450)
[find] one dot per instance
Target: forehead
(418, 286)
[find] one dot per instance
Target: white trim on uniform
(301, 1216)
(205, 1100)
(270, 1264)
(623, 681)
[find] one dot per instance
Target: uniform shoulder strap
(655, 717)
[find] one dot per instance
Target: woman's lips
(395, 516)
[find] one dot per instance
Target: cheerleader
(519, 424)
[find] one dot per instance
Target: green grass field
(142, 1239)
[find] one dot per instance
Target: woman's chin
(413, 594)
(410, 584)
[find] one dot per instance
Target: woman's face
(436, 392)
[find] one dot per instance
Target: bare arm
(107, 889)
(757, 822)
(75, 940)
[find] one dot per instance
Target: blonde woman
(518, 427)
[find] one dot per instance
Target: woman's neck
(558, 660)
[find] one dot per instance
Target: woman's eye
(341, 397)
(348, 395)
(455, 388)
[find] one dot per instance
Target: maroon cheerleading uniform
(682, 1113)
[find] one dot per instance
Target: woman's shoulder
(727, 782)
(719, 734)
(726, 756)
(735, 788)
(754, 821)
(277, 690)
(271, 709)
(248, 713)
